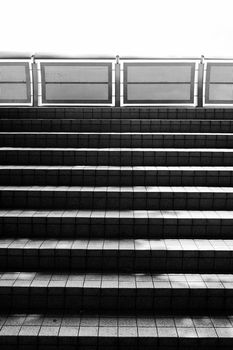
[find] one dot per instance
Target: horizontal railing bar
(77, 82)
(220, 82)
(159, 58)
(13, 82)
(15, 55)
(73, 57)
(29, 55)
(158, 82)
(218, 58)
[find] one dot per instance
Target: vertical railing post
(35, 82)
(117, 83)
(200, 82)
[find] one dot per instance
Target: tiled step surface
(169, 255)
(116, 332)
(99, 292)
(115, 140)
(115, 175)
(113, 224)
(116, 156)
(91, 222)
(116, 125)
(117, 198)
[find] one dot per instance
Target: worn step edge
(115, 330)
(169, 293)
(177, 255)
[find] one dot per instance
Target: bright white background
(126, 27)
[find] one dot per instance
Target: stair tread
(156, 214)
(147, 189)
(48, 149)
(117, 168)
(112, 120)
(84, 280)
(112, 133)
(198, 245)
(140, 326)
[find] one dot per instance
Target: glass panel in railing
(15, 83)
(13, 91)
(221, 74)
(159, 82)
(163, 92)
(74, 92)
(159, 73)
(13, 73)
(77, 82)
(74, 73)
(221, 92)
(219, 83)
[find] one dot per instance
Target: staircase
(116, 228)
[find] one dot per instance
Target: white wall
(124, 27)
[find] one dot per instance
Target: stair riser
(139, 158)
(116, 113)
(116, 141)
(116, 261)
(116, 125)
(113, 342)
(132, 300)
(42, 199)
(52, 227)
(46, 177)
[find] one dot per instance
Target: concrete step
(17, 175)
(117, 156)
(115, 140)
(117, 224)
(94, 331)
(124, 255)
(123, 293)
(91, 331)
(117, 198)
(117, 125)
(116, 247)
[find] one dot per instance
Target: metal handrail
(201, 62)
(28, 55)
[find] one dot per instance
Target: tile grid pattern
(116, 326)
(116, 228)
(115, 176)
(172, 255)
(113, 125)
